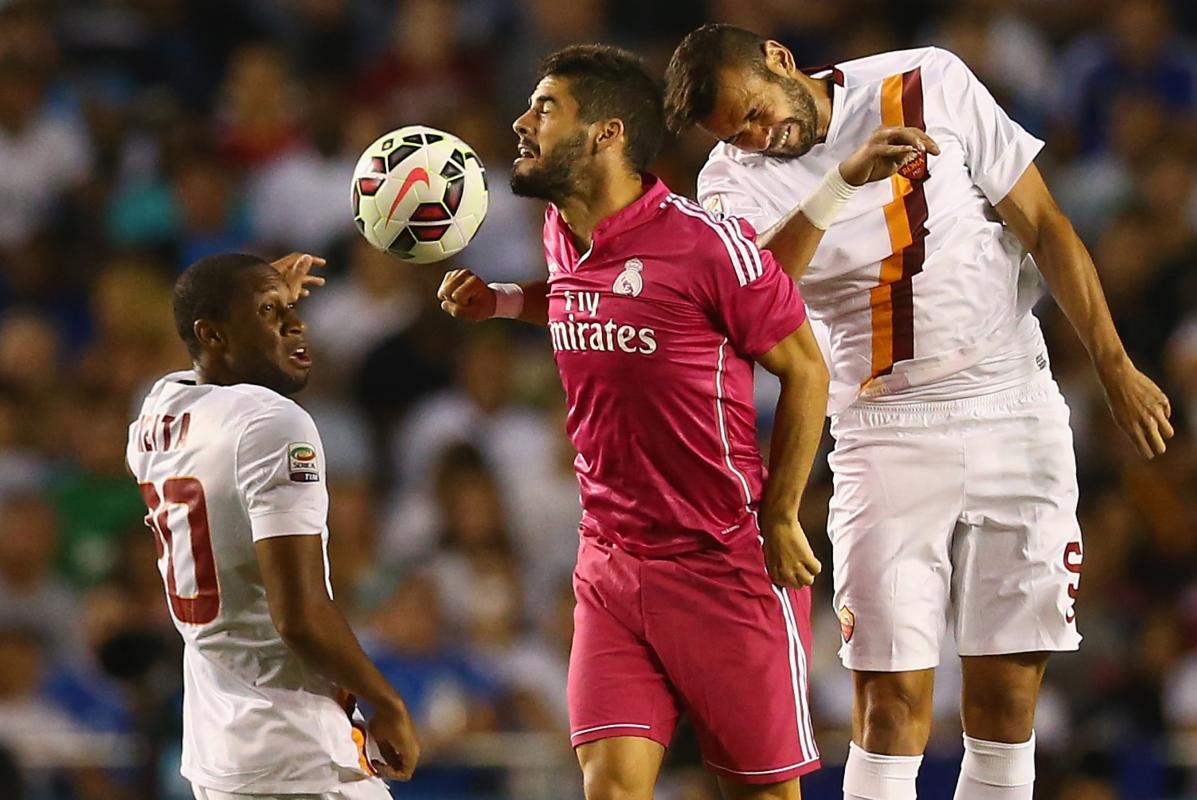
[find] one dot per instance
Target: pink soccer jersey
(654, 331)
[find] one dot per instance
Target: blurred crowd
(139, 135)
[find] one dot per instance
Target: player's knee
(896, 715)
(609, 785)
(1000, 713)
(735, 790)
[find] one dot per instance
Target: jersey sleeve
(724, 194)
(997, 150)
(745, 292)
(280, 474)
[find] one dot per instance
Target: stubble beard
(554, 177)
(804, 117)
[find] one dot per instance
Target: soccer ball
(419, 194)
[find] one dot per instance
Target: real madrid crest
(630, 283)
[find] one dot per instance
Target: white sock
(997, 771)
(869, 776)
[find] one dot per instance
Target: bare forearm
(325, 642)
(797, 428)
(793, 242)
(536, 303)
(1072, 277)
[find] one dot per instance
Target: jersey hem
(766, 776)
(208, 781)
(272, 524)
(612, 731)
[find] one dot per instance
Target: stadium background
(139, 135)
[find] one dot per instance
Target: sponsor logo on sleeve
(302, 464)
(714, 204)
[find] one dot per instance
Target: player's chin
(293, 377)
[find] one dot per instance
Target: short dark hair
(692, 77)
(609, 82)
(204, 291)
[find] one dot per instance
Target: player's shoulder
(869, 70)
(724, 161)
(717, 238)
(251, 402)
(235, 405)
(691, 222)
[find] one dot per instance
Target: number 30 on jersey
(193, 551)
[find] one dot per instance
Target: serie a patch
(302, 465)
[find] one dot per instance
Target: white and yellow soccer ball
(419, 194)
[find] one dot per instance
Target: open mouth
(776, 143)
(301, 357)
(526, 153)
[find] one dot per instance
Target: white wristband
(827, 200)
(509, 300)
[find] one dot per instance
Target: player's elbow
(293, 630)
(297, 624)
(1053, 232)
(806, 374)
(809, 370)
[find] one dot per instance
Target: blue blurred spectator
(1141, 54)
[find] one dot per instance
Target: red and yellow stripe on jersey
(892, 300)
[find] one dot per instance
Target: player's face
(763, 111)
(264, 335)
(553, 144)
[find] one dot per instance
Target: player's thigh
(617, 685)
(1017, 561)
(738, 790)
(736, 649)
(898, 495)
(620, 768)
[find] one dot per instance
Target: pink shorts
(706, 633)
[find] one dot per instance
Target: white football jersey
(924, 293)
(221, 467)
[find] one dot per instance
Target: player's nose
(293, 324)
(520, 125)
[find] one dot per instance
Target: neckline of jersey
(837, 111)
(633, 215)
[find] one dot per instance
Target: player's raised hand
(296, 269)
(788, 556)
(392, 731)
(463, 294)
(887, 151)
(1139, 407)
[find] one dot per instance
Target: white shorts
(367, 789)
(956, 510)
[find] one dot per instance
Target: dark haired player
(955, 482)
(657, 312)
(232, 472)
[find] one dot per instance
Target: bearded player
(657, 312)
(955, 481)
(232, 472)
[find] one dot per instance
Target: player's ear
(609, 134)
(778, 58)
(207, 334)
